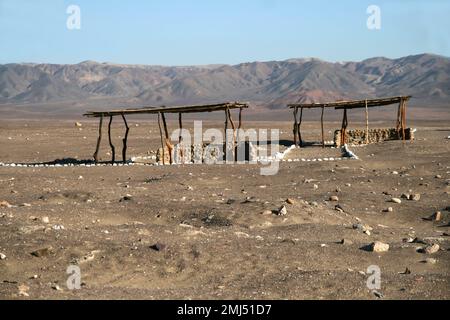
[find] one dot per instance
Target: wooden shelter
(346, 105)
(161, 112)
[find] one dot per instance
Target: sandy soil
(218, 238)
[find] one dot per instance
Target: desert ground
(211, 231)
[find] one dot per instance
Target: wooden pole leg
(162, 139)
(323, 132)
(295, 126)
(125, 139)
(166, 132)
(99, 139)
(299, 128)
(113, 149)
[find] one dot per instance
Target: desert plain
(213, 231)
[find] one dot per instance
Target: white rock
(282, 211)
(432, 249)
(379, 247)
(2, 256)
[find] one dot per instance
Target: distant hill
(268, 84)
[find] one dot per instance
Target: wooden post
(180, 124)
(240, 119)
(226, 137)
(398, 118)
(180, 137)
(344, 127)
(367, 123)
(113, 149)
(299, 128)
(99, 139)
(125, 139)
(323, 133)
(239, 129)
(232, 126)
(162, 141)
(295, 126)
(166, 132)
(404, 120)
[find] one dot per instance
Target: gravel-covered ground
(212, 232)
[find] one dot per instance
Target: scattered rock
(378, 246)
(437, 216)
(396, 200)
(23, 290)
(362, 227)
(407, 271)
(42, 252)
(346, 242)
(2, 256)
(45, 220)
(339, 208)
(56, 287)
(128, 197)
(430, 261)
(290, 201)
(390, 209)
(158, 246)
(415, 197)
(378, 294)
(267, 212)
(431, 249)
(405, 196)
(282, 211)
(78, 124)
(334, 198)
(438, 176)
(5, 204)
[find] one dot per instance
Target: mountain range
(269, 85)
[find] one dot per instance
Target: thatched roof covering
(174, 109)
(355, 104)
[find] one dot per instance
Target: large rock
(431, 249)
(378, 246)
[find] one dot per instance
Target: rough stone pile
(375, 135)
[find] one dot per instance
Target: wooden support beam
(295, 126)
(344, 128)
(323, 132)
(180, 124)
(180, 137)
(113, 149)
(239, 128)
(398, 118)
(226, 137)
(367, 123)
(404, 121)
(99, 139)
(240, 119)
(299, 128)
(162, 140)
(234, 133)
(166, 132)
(125, 140)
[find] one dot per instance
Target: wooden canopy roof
(355, 104)
(174, 109)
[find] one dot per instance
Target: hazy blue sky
(175, 32)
